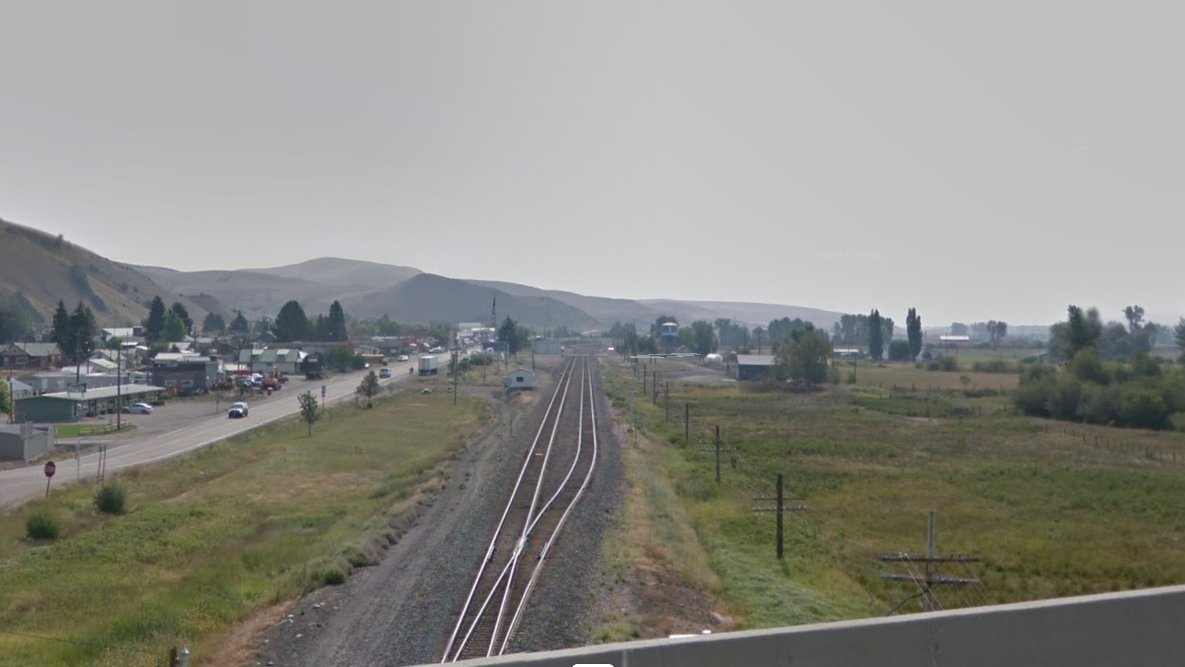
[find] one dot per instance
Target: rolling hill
(429, 298)
(39, 269)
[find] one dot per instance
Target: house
(519, 378)
(187, 373)
(754, 366)
(31, 356)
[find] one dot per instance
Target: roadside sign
(50, 469)
(322, 391)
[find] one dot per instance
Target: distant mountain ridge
(38, 269)
(407, 294)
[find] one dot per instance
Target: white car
(138, 408)
(403, 357)
(237, 410)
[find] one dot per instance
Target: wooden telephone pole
(779, 509)
(718, 449)
(931, 578)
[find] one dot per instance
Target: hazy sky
(999, 161)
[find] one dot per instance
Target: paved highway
(18, 484)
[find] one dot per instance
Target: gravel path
(401, 611)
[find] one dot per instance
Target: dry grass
(214, 537)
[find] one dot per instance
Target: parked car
(138, 408)
(384, 372)
(237, 410)
(403, 357)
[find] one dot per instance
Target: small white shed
(519, 378)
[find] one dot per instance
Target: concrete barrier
(1131, 629)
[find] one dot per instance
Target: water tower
(669, 333)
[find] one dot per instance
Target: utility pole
(931, 561)
(668, 401)
(686, 422)
(456, 376)
(718, 449)
(779, 509)
(654, 386)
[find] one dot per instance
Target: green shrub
(993, 366)
(944, 363)
(1142, 408)
(111, 499)
(42, 525)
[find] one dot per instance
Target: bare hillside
(40, 269)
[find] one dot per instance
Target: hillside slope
(431, 298)
(256, 294)
(39, 269)
(344, 272)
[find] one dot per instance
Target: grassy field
(1053, 509)
(214, 536)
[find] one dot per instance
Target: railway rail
(555, 473)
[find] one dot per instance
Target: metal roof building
(68, 406)
(755, 366)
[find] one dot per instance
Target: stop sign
(50, 468)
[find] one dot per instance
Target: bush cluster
(42, 525)
(111, 499)
(1088, 390)
(944, 363)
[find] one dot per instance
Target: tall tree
(239, 325)
(1134, 316)
(1083, 329)
(997, 330)
(183, 314)
(213, 323)
(337, 323)
(876, 336)
(806, 355)
(61, 328)
(508, 332)
(703, 337)
(913, 331)
(154, 326)
(291, 324)
(174, 329)
(83, 331)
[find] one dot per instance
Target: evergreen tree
(291, 324)
(336, 324)
(61, 328)
(239, 325)
(174, 329)
(876, 336)
(154, 326)
(213, 323)
(183, 314)
(913, 331)
(83, 330)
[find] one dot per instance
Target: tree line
(1109, 375)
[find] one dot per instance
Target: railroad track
(556, 471)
